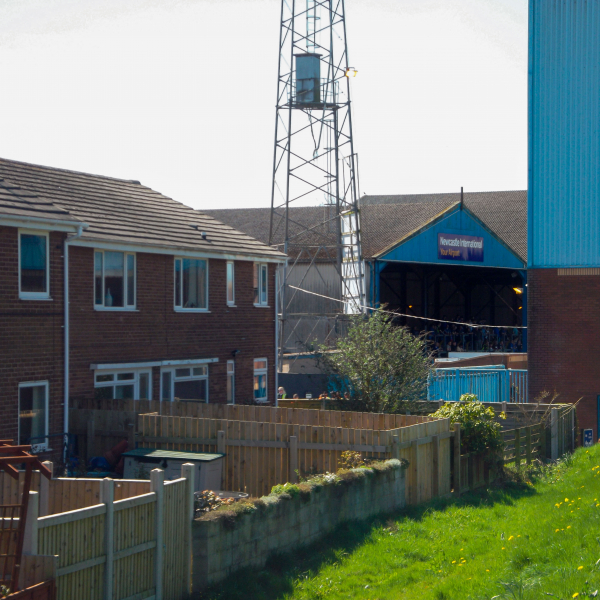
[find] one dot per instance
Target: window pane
(144, 386)
(182, 372)
(230, 294)
(260, 387)
(124, 392)
(101, 378)
(130, 280)
(200, 371)
(260, 364)
(191, 390)
(230, 366)
(125, 376)
(33, 263)
(194, 283)
(104, 393)
(32, 415)
(256, 277)
(98, 278)
(177, 282)
(166, 386)
(263, 285)
(113, 278)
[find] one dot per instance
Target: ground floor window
(33, 415)
(188, 382)
(123, 385)
(230, 382)
(260, 379)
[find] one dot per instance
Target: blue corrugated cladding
(564, 133)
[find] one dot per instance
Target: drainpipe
(277, 335)
(66, 328)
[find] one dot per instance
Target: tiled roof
(386, 220)
(118, 211)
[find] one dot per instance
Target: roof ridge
(72, 172)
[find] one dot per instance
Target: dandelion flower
(579, 568)
(575, 595)
(503, 548)
(511, 537)
(568, 527)
(566, 499)
(453, 561)
(557, 531)
(487, 570)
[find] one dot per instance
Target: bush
(478, 429)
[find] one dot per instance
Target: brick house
(164, 302)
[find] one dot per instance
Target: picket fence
(120, 549)
(261, 455)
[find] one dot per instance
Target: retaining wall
(226, 542)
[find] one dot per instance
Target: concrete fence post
(528, 445)
(157, 483)
(293, 458)
(414, 470)
(457, 459)
(45, 490)
(554, 434)
(107, 497)
(221, 442)
(187, 471)
(30, 541)
(396, 447)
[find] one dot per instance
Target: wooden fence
(132, 548)
(261, 455)
(66, 494)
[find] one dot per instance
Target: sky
(180, 94)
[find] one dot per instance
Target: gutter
(68, 240)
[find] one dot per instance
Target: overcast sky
(180, 94)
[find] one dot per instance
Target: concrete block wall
(222, 546)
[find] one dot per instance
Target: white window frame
(35, 295)
(191, 377)
(43, 447)
(126, 307)
(263, 273)
(230, 373)
(180, 308)
(261, 371)
(135, 381)
(230, 301)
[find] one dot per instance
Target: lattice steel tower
(315, 166)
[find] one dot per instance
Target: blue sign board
(452, 246)
(588, 437)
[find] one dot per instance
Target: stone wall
(224, 542)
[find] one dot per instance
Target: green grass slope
(520, 541)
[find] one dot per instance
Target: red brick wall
(564, 339)
(156, 332)
(31, 337)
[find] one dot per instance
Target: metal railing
(488, 384)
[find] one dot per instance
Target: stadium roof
(387, 220)
(117, 211)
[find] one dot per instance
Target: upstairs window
(260, 379)
(191, 284)
(230, 283)
(114, 279)
(34, 266)
(260, 284)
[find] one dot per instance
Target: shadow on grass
(277, 578)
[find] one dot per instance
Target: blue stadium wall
(564, 203)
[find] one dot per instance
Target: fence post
(573, 430)
(30, 541)
(221, 442)
(157, 482)
(414, 467)
(293, 458)
(518, 447)
(91, 435)
(528, 444)
(45, 490)
(187, 471)
(396, 447)
(107, 497)
(435, 484)
(504, 407)
(457, 459)
(554, 434)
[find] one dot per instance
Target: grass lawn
(515, 542)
